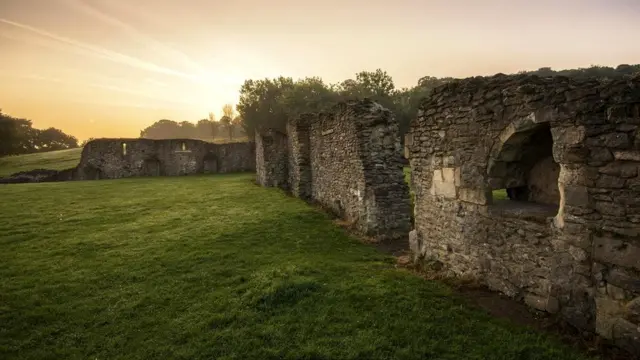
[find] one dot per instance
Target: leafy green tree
(308, 95)
(187, 130)
(54, 139)
(17, 136)
(261, 102)
(206, 129)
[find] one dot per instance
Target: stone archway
(152, 167)
(522, 163)
(210, 163)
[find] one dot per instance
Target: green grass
(53, 160)
(214, 267)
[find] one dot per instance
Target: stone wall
(118, 158)
(299, 151)
(349, 161)
(272, 159)
(578, 255)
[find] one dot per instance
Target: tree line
(229, 126)
(18, 136)
(270, 102)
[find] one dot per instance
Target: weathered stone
(474, 196)
(299, 156)
(624, 278)
(349, 161)
(609, 208)
(621, 169)
(626, 335)
(119, 158)
(573, 172)
(575, 195)
(615, 251)
(40, 175)
(615, 292)
(600, 155)
(627, 155)
(632, 311)
(443, 183)
(610, 140)
(536, 302)
(271, 162)
(607, 311)
(571, 135)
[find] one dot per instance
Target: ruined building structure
(567, 152)
(118, 158)
(347, 160)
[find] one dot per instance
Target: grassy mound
(216, 267)
(52, 160)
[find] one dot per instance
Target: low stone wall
(119, 158)
(347, 160)
(271, 159)
(39, 175)
(569, 151)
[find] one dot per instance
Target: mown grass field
(215, 267)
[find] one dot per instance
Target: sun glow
(126, 64)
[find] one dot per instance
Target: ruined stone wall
(480, 134)
(118, 158)
(272, 166)
(233, 157)
(347, 160)
(543, 182)
(299, 150)
(357, 171)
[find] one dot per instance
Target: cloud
(131, 31)
(96, 51)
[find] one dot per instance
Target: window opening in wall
(124, 149)
(523, 175)
(184, 146)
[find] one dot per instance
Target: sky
(109, 68)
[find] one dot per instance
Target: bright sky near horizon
(108, 68)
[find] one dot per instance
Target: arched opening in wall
(152, 167)
(92, 173)
(210, 163)
(522, 172)
(124, 149)
(184, 146)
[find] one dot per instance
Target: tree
(237, 124)
(17, 136)
(227, 110)
(161, 129)
(206, 129)
(169, 129)
(308, 95)
(377, 83)
(54, 139)
(225, 121)
(261, 105)
(228, 113)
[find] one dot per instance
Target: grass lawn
(53, 160)
(214, 267)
